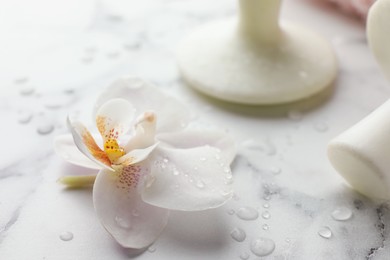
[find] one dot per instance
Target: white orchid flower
(163, 165)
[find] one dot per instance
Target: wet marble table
(57, 55)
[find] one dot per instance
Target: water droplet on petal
(200, 184)
(231, 212)
(266, 205)
(238, 234)
(342, 213)
(165, 160)
(227, 169)
(265, 227)
(123, 223)
(262, 246)
(175, 172)
(247, 213)
(45, 129)
(244, 256)
(266, 215)
(66, 236)
(325, 232)
(151, 249)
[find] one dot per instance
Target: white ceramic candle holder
(255, 60)
(362, 153)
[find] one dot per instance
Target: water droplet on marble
(151, 249)
(21, 80)
(45, 129)
(266, 205)
(66, 236)
(247, 213)
(266, 215)
(123, 223)
(244, 256)
(325, 232)
(25, 117)
(321, 127)
(262, 246)
(26, 91)
(265, 227)
(200, 184)
(238, 234)
(275, 170)
(295, 115)
(342, 213)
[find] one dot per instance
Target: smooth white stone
(256, 61)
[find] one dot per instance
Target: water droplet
(275, 170)
(227, 169)
(135, 213)
(196, 168)
(200, 184)
(266, 215)
(151, 249)
(175, 172)
(45, 129)
(87, 59)
(66, 236)
(262, 246)
(25, 117)
(202, 159)
(342, 213)
(266, 205)
(247, 213)
(21, 80)
(165, 160)
(123, 223)
(295, 115)
(320, 127)
(325, 232)
(26, 91)
(163, 166)
(231, 212)
(267, 197)
(244, 256)
(265, 227)
(238, 234)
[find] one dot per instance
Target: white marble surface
(57, 55)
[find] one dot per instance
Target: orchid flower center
(113, 150)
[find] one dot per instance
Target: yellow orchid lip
(113, 150)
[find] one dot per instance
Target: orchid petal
(171, 114)
(145, 131)
(118, 204)
(65, 147)
(87, 145)
(195, 138)
(114, 118)
(136, 156)
(188, 179)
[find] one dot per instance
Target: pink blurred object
(356, 7)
